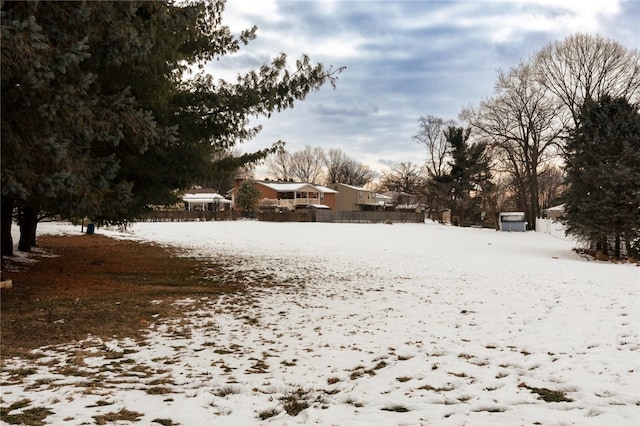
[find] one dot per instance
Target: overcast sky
(404, 59)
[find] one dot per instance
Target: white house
(205, 199)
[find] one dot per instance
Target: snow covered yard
(401, 324)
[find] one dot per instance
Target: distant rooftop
(293, 186)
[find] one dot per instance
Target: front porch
(293, 200)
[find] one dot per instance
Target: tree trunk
(533, 199)
(28, 220)
(617, 246)
(6, 212)
(604, 245)
(627, 246)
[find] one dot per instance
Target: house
(400, 198)
(355, 198)
(205, 199)
(385, 202)
(328, 197)
(418, 208)
(292, 195)
(403, 202)
(554, 213)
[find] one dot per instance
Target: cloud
(404, 59)
(342, 111)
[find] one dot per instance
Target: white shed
(512, 221)
(205, 201)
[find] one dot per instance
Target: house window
(360, 195)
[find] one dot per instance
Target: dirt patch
(94, 285)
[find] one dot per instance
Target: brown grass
(100, 286)
(122, 415)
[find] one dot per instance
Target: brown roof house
(292, 195)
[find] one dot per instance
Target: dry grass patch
(226, 390)
(102, 287)
(448, 388)
(259, 367)
(268, 413)
(164, 422)
(294, 403)
(18, 375)
(69, 370)
(101, 403)
(396, 409)
(32, 416)
(158, 390)
(122, 415)
(547, 395)
(333, 380)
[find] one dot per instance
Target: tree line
(578, 97)
(314, 165)
(561, 127)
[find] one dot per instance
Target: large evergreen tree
(603, 174)
(100, 116)
(248, 197)
(469, 175)
(53, 117)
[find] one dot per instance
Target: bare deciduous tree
(586, 66)
(307, 165)
(551, 181)
(342, 169)
(358, 174)
(431, 134)
(279, 165)
(523, 124)
(312, 165)
(404, 177)
(335, 161)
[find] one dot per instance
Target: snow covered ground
(402, 324)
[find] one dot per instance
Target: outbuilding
(512, 221)
(205, 200)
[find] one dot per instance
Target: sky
(367, 324)
(403, 59)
